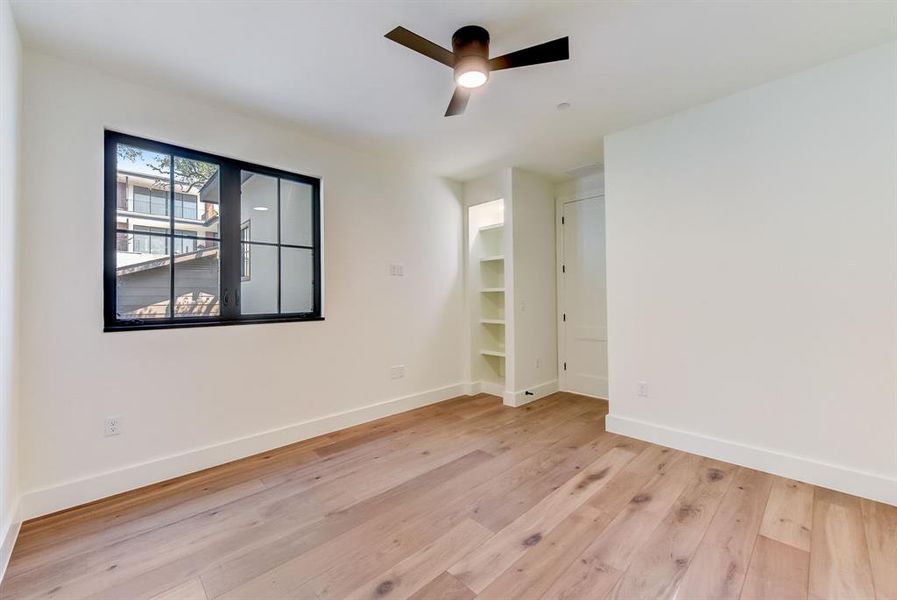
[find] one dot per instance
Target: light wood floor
(466, 499)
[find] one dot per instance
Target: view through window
(204, 239)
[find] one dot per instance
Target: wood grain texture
(482, 566)
(460, 500)
(416, 571)
(777, 570)
(839, 556)
(719, 566)
(881, 537)
(189, 590)
(444, 587)
(656, 571)
(789, 513)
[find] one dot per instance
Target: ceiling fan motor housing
(470, 45)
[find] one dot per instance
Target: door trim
(560, 201)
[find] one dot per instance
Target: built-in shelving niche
(487, 252)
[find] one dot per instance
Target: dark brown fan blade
(458, 102)
(558, 49)
(411, 40)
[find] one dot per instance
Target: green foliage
(189, 173)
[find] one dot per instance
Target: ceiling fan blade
(411, 40)
(458, 102)
(558, 49)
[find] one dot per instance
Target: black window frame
(246, 251)
(230, 255)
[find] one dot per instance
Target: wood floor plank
(531, 574)
(189, 590)
(486, 480)
(444, 587)
(777, 570)
(880, 521)
(482, 566)
(581, 449)
(789, 513)
(413, 573)
(594, 573)
(720, 564)
(534, 573)
(658, 567)
(241, 557)
(109, 536)
(400, 524)
(839, 556)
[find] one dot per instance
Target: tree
(188, 173)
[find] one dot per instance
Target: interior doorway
(582, 296)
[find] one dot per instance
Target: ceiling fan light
(471, 71)
(471, 79)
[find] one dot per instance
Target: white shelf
(497, 290)
(492, 227)
(492, 321)
(492, 353)
(492, 258)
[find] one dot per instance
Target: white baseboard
(582, 394)
(8, 540)
(487, 387)
(73, 493)
(539, 391)
(842, 479)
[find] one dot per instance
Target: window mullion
(279, 252)
(170, 237)
(317, 260)
(229, 244)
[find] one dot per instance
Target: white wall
(534, 299)
(246, 388)
(752, 276)
(10, 111)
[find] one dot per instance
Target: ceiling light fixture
(260, 208)
(563, 106)
(469, 57)
(472, 79)
(471, 71)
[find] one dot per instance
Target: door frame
(560, 201)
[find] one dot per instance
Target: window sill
(216, 323)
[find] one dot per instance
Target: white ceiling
(327, 66)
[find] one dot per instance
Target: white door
(584, 298)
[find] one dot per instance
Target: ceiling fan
(470, 60)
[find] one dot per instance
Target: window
(150, 201)
(150, 244)
(184, 206)
(196, 239)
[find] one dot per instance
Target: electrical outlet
(397, 270)
(643, 389)
(397, 372)
(113, 426)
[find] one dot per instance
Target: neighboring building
(144, 254)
